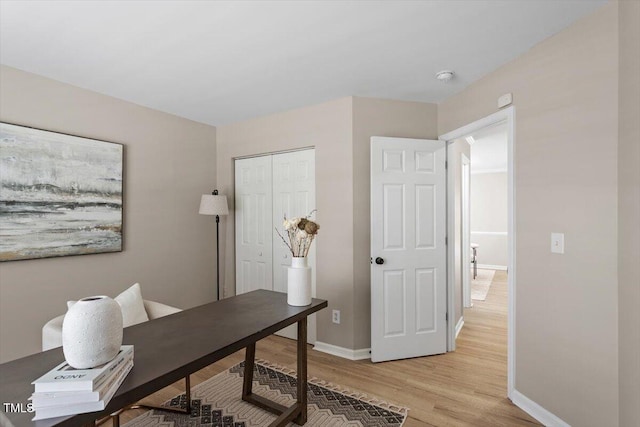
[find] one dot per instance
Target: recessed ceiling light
(444, 75)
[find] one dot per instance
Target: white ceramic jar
(299, 282)
(92, 332)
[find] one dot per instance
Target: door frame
(466, 232)
(508, 116)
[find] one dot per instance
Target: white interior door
(254, 224)
(294, 195)
(408, 248)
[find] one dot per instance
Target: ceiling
(225, 61)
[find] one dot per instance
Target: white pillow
(132, 306)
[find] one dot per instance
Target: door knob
(379, 261)
(260, 254)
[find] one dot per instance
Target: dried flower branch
(301, 232)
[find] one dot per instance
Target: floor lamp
(215, 204)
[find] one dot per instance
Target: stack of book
(67, 391)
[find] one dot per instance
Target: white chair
(52, 330)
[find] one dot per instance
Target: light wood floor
(463, 388)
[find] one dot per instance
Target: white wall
(168, 248)
(376, 117)
(489, 223)
(565, 93)
(340, 131)
(328, 128)
(629, 213)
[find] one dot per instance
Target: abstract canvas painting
(59, 194)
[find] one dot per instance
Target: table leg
(249, 359)
(115, 417)
(187, 392)
(298, 411)
(301, 419)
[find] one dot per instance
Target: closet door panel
(293, 196)
(254, 251)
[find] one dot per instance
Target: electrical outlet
(335, 316)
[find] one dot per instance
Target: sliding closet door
(268, 188)
(294, 195)
(254, 224)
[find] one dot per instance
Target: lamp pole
(215, 193)
(215, 204)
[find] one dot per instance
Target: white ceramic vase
(299, 282)
(92, 332)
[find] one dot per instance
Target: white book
(81, 408)
(57, 398)
(65, 378)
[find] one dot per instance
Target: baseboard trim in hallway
(459, 326)
(536, 411)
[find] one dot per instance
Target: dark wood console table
(172, 347)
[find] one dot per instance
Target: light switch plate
(557, 243)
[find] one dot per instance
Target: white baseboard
(536, 411)
(459, 326)
(492, 267)
(346, 353)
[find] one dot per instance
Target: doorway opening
(486, 203)
(462, 236)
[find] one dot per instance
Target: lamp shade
(211, 204)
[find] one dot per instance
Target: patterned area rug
(217, 403)
(481, 284)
